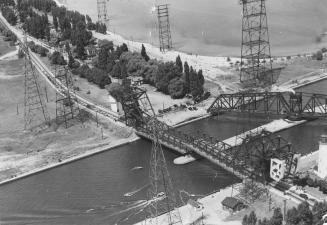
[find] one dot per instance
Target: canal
(110, 187)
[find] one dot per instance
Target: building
(322, 158)
(232, 204)
(91, 51)
(277, 169)
(115, 106)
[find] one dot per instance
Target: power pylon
(164, 28)
(161, 193)
(102, 11)
(255, 54)
(66, 109)
(35, 109)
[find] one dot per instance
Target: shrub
(319, 55)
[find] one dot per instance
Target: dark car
(304, 196)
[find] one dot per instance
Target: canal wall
(72, 159)
(308, 161)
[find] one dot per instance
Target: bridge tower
(66, 109)
(35, 109)
(255, 53)
(102, 11)
(164, 28)
(161, 193)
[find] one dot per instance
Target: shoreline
(90, 153)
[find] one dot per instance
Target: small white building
(322, 160)
(277, 169)
(115, 106)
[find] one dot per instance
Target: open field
(22, 150)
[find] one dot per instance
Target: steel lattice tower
(164, 28)
(161, 193)
(66, 109)
(35, 108)
(102, 11)
(255, 54)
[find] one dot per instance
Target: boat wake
(129, 194)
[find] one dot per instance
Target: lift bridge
(240, 158)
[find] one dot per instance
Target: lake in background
(213, 27)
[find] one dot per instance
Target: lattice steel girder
(255, 51)
(165, 40)
(102, 11)
(137, 106)
(271, 103)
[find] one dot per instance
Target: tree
(176, 88)
(263, 222)
(252, 219)
(166, 72)
(319, 55)
(201, 78)
(100, 77)
(71, 61)
(245, 220)
(196, 87)
(144, 54)
(304, 214)
(57, 58)
(116, 90)
(80, 50)
(292, 216)
(187, 77)
(277, 218)
(55, 22)
(319, 210)
(179, 64)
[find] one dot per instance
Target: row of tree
(9, 14)
(302, 215)
(37, 26)
(7, 3)
(321, 184)
(93, 75)
(173, 78)
(41, 5)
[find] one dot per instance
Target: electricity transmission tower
(164, 28)
(102, 11)
(255, 54)
(66, 109)
(35, 109)
(161, 193)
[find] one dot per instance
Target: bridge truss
(297, 104)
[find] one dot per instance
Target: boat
(184, 159)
